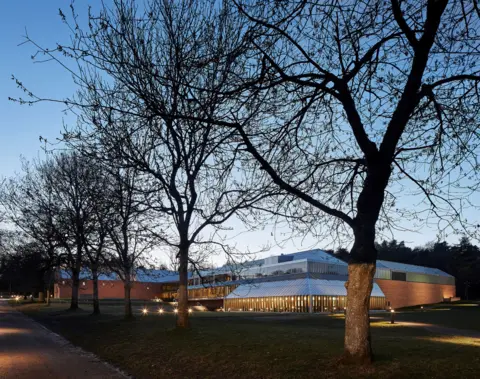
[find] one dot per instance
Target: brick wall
(109, 289)
(404, 294)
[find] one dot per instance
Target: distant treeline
(461, 260)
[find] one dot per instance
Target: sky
(21, 125)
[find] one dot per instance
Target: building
(314, 281)
(307, 281)
(147, 284)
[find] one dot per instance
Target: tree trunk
(182, 315)
(75, 287)
(49, 285)
(96, 303)
(41, 297)
(358, 348)
(128, 301)
(362, 265)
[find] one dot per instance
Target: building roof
(156, 276)
(316, 255)
(85, 275)
(403, 267)
(142, 275)
(298, 287)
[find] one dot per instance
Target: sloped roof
(156, 276)
(142, 275)
(298, 287)
(403, 267)
(87, 275)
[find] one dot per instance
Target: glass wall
(274, 270)
(210, 292)
(299, 304)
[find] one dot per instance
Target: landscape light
(392, 319)
(144, 311)
(190, 310)
(175, 310)
(160, 310)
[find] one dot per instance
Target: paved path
(29, 351)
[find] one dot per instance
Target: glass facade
(284, 268)
(300, 304)
(209, 292)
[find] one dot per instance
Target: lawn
(253, 345)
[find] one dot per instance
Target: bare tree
(76, 189)
(360, 102)
(30, 206)
(137, 72)
(345, 105)
(125, 226)
(95, 232)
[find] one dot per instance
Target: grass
(252, 345)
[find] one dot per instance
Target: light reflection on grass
(457, 340)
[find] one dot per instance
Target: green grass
(252, 345)
(462, 315)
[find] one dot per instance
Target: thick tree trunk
(182, 315)
(41, 297)
(362, 265)
(128, 301)
(75, 287)
(48, 297)
(96, 303)
(358, 348)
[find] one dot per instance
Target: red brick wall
(109, 289)
(404, 294)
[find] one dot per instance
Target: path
(27, 350)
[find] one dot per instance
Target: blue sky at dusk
(21, 126)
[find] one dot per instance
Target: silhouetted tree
(359, 102)
(125, 226)
(345, 105)
(139, 109)
(31, 207)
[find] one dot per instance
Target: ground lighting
(392, 319)
(144, 311)
(160, 310)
